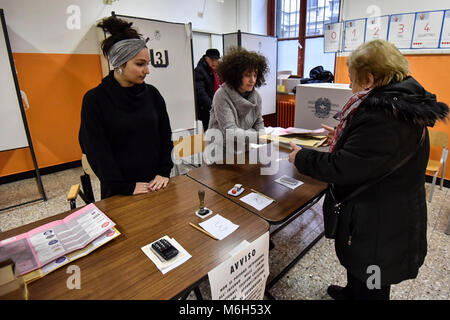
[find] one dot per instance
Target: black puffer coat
(386, 224)
(204, 90)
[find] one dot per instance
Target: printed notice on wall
(401, 30)
(427, 29)
(445, 37)
(377, 28)
(244, 275)
(354, 34)
(332, 34)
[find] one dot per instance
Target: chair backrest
(189, 145)
(86, 167)
(438, 138)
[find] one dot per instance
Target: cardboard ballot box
(11, 288)
(317, 103)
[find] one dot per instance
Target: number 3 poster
(377, 28)
(401, 30)
(427, 29)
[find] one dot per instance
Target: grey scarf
(125, 50)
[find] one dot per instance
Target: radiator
(285, 114)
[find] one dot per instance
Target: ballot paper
(296, 183)
(218, 226)
(257, 201)
(168, 265)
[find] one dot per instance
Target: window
(318, 13)
(297, 38)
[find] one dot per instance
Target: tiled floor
(307, 280)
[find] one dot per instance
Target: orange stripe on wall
(55, 85)
(433, 72)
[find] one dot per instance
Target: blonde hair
(380, 58)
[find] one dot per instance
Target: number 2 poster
(377, 28)
(401, 30)
(427, 29)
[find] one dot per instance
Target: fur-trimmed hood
(408, 101)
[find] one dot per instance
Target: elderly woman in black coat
(381, 233)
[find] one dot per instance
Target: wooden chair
(85, 191)
(189, 148)
(438, 139)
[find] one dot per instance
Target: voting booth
(268, 47)
(317, 103)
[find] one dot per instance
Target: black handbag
(332, 207)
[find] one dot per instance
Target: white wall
(258, 19)
(41, 25)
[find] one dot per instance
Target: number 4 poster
(401, 30)
(377, 28)
(427, 29)
(354, 34)
(445, 37)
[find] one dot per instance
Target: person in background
(125, 129)
(237, 104)
(381, 234)
(206, 84)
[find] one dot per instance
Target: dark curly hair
(119, 30)
(237, 61)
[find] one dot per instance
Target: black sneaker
(337, 293)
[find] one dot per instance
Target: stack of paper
(168, 265)
(218, 226)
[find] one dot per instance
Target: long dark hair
(119, 30)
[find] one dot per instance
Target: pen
(263, 195)
(201, 230)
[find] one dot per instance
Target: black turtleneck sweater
(126, 135)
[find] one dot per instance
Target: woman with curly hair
(236, 106)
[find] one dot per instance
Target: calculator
(164, 249)
(289, 181)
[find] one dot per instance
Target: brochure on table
(58, 263)
(38, 247)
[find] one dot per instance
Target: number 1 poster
(354, 34)
(377, 28)
(445, 37)
(401, 30)
(427, 29)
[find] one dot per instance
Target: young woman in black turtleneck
(125, 130)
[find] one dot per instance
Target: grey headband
(125, 50)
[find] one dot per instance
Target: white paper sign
(354, 34)
(257, 201)
(445, 35)
(332, 34)
(427, 30)
(244, 275)
(401, 30)
(377, 28)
